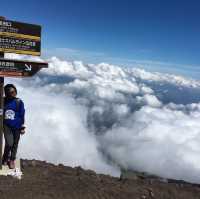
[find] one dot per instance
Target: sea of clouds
(105, 117)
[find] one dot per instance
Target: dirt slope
(43, 180)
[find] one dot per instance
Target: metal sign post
(20, 38)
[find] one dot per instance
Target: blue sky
(161, 35)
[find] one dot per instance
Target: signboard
(18, 68)
(20, 38)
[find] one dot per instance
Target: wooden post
(1, 114)
(1, 109)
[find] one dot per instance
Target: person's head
(10, 90)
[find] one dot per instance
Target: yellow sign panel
(20, 38)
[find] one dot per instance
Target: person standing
(13, 124)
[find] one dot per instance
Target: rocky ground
(42, 180)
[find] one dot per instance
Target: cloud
(105, 117)
(57, 131)
(161, 141)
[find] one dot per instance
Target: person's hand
(22, 130)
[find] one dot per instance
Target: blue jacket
(14, 112)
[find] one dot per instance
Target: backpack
(18, 100)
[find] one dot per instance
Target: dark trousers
(12, 137)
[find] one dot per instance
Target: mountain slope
(45, 180)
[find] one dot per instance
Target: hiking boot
(12, 164)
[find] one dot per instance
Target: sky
(159, 35)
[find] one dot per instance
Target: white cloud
(101, 116)
(161, 141)
(150, 100)
(57, 132)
